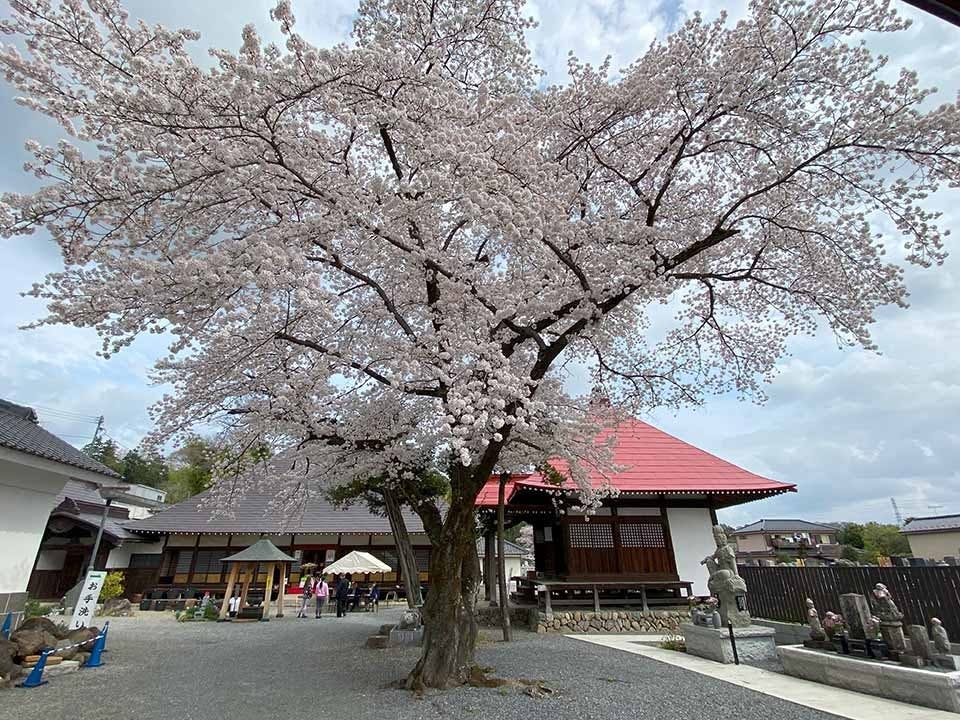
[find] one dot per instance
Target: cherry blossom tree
(364, 250)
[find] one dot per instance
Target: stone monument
(919, 655)
(891, 625)
(942, 656)
(856, 614)
(754, 643)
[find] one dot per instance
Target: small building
(768, 541)
(656, 528)
(71, 531)
(935, 537)
(513, 557)
(35, 466)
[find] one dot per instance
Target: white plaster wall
(51, 559)
(752, 543)
(27, 496)
(692, 535)
(119, 557)
(934, 546)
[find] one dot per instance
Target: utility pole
(96, 433)
(896, 512)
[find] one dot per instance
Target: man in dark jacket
(343, 594)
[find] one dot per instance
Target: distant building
(35, 466)
(767, 541)
(935, 537)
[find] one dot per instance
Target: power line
(65, 413)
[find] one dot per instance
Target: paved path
(157, 670)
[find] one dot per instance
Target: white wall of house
(513, 568)
(754, 542)
(934, 546)
(27, 496)
(691, 531)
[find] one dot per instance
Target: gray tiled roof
(19, 430)
(75, 493)
(261, 551)
(933, 523)
(252, 513)
(509, 549)
(782, 526)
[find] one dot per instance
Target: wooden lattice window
(642, 535)
(591, 535)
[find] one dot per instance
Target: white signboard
(87, 601)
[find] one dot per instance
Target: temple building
(655, 529)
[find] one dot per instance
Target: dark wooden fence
(780, 593)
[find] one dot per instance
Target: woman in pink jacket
(322, 591)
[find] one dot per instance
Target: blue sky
(851, 428)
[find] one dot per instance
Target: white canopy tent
(357, 562)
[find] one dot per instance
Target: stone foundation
(609, 621)
(519, 616)
(755, 644)
(930, 688)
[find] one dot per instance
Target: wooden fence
(780, 593)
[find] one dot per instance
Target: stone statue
(887, 609)
(941, 641)
(873, 628)
(813, 619)
(725, 582)
(832, 623)
(891, 627)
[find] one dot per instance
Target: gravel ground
(156, 669)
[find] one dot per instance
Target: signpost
(87, 600)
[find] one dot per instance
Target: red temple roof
(651, 462)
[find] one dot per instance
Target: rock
(43, 624)
(117, 607)
(82, 657)
(410, 620)
(32, 642)
(7, 665)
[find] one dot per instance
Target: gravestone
(919, 641)
(856, 614)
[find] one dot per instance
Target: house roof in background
(932, 524)
(653, 463)
(20, 430)
(784, 525)
(81, 501)
(509, 549)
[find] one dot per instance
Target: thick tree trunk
(450, 631)
(405, 556)
(502, 562)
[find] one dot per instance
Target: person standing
(343, 595)
(305, 597)
(322, 591)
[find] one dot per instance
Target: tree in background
(105, 451)
(414, 220)
(851, 534)
(190, 468)
(883, 540)
(150, 470)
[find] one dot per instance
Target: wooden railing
(780, 593)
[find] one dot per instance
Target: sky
(851, 428)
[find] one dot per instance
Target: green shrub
(112, 586)
(673, 641)
(210, 612)
(34, 608)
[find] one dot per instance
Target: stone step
(385, 629)
(378, 642)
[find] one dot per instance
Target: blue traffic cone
(35, 678)
(7, 626)
(106, 628)
(94, 660)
